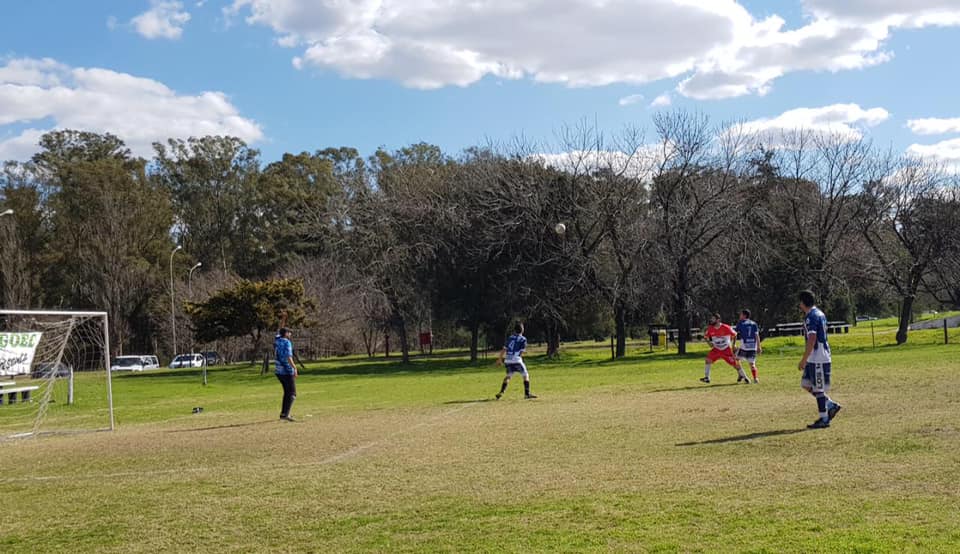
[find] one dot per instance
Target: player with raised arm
(816, 361)
(721, 338)
(749, 335)
(512, 356)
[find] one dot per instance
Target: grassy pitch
(629, 456)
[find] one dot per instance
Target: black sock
(503, 387)
(526, 388)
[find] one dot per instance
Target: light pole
(190, 293)
(173, 316)
(190, 279)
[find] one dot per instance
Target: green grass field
(628, 456)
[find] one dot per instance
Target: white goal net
(54, 373)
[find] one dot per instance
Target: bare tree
(903, 221)
(816, 204)
(608, 215)
(696, 197)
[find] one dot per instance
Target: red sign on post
(426, 339)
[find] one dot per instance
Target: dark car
(212, 358)
(45, 370)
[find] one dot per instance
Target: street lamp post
(173, 316)
(190, 279)
(190, 293)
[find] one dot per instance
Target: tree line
(693, 219)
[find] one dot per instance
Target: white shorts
(517, 367)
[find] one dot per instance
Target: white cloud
(21, 146)
(138, 110)
(641, 163)
(752, 63)
(429, 44)
(720, 48)
(632, 99)
(581, 162)
(845, 120)
(897, 13)
(946, 152)
(164, 19)
(661, 101)
(934, 126)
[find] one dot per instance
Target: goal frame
(106, 344)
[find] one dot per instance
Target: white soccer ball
(560, 228)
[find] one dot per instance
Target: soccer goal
(54, 373)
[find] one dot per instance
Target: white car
(150, 362)
(187, 360)
(128, 363)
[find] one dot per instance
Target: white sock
(706, 371)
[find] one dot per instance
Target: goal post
(54, 373)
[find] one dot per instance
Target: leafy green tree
(294, 197)
(24, 236)
(108, 227)
(213, 184)
(248, 308)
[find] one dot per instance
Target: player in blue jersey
(748, 333)
(512, 356)
(286, 371)
(816, 361)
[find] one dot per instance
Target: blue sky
(294, 75)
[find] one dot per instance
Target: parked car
(128, 363)
(187, 360)
(150, 362)
(212, 358)
(43, 370)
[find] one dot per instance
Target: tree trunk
(474, 340)
(680, 316)
(620, 314)
(906, 311)
(553, 340)
(404, 344)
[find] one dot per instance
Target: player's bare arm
(811, 344)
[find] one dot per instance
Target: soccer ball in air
(560, 228)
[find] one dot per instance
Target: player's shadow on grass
(699, 387)
(218, 427)
(469, 401)
(751, 436)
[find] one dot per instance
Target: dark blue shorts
(514, 367)
(816, 377)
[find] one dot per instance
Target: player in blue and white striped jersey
(748, 332)
(512, 356)
(817, 360)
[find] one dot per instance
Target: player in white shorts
(749, 334)
(512, 356)
(816, 361)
